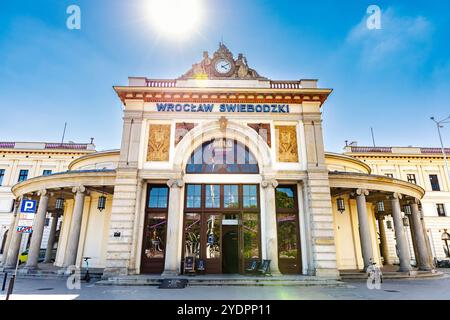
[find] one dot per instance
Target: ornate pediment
(222, 65)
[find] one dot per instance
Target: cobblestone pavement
(428, 289)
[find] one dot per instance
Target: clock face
(223, 66)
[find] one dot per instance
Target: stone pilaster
(271, 236)
(174, 223)
(318, 206)
(121, 225)
(120, 260)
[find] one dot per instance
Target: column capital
(43, 193)
(361, 192)
(175, 183)
(79, 189)
(396, 195)
(269, 183)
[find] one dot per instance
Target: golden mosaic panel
(287, 148)
(159, 142)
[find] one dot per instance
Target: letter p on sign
(28, 206)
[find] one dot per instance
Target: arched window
(222, 156)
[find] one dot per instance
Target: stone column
(70, 257)
(422, 249)
(38, 231)
(402, 243)
(383, 240)
(172, 262)
(11, 231)
(427, 241)
(14, 244)
(271, 236)
(51, 239)
(364, 228)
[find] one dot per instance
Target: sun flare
(176, 18)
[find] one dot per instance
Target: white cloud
(401, 38)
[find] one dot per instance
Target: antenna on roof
(373, 137)
(64, 132)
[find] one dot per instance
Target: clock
(223, 66)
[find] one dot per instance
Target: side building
(20, 161)
(424, 167)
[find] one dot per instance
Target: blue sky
(391, 79)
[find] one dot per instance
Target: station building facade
(225, 166)
(20, 161)
(421, 166)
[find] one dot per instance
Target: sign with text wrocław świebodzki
(27, 213)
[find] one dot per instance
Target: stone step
(220, 282)
(393, 275)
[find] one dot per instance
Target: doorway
(230, 249)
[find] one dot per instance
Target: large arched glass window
(222, 156)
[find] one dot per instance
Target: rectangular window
(23, 175)
(231, 196)
(411, 178)
(194, 196)
(287, 236)
(192, 234)
(441, 209)
(213, 231)
(158, 196)
(155, 236)
(2, 174)
(212, 199)
(285, 197)
(47, 172)
(434, 182)
(249, 196)
(389, 175)
(250, 226)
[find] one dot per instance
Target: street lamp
(340, 204)
(439, 125)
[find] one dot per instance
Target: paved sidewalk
(429, 289)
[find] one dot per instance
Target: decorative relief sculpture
(158, 142)
(287, 143)
(222, 65)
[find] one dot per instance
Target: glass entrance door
(221, 226)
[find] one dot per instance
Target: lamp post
(439, 125)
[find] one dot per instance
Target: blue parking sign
(28, 206)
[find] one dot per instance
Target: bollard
(4, 281)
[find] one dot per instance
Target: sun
(175, 18)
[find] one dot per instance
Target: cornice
(222, 95)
